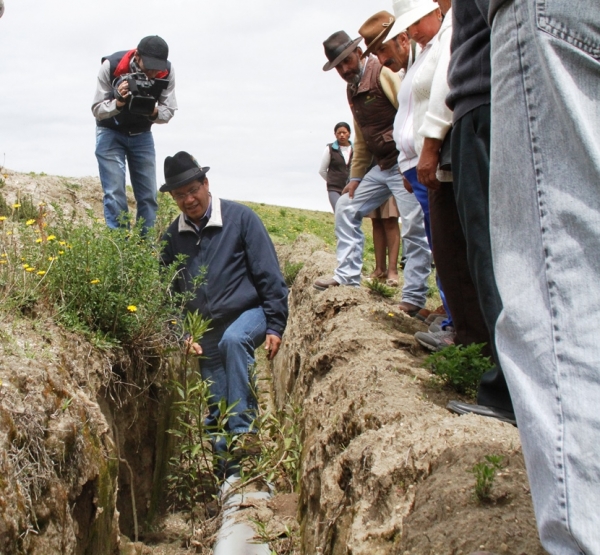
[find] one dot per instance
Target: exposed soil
(385, 468)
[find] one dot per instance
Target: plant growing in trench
(485, 474)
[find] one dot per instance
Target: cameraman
(122, 135)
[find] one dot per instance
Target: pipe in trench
(235, 535)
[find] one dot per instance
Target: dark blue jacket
(242, 270)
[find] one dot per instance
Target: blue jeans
(376, 187)
(112, 150)
(229, 366)
(545, 227)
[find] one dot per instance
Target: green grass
(286, 224)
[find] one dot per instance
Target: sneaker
(437, 325)
(435, 341)
(439, 311)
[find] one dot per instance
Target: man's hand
(351, 188)
(123, 91)
(428, 163)
(272, 344)
(192, 347)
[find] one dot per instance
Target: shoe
(461, 408)
(439, 311)
(323, 283)
(437, 324)
(409, 308)
(436, 341)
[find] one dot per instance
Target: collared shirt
(203, 220)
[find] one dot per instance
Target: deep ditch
(385, 468)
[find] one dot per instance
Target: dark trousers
(471, 171)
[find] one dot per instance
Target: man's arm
(361, 157)
(265, 273)
(104, 105)
(167, 102)
(390, 83)
(438, 118)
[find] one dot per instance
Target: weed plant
(485, 474)
(380, 288)
(291, 271)
(460, 367)
(104, 282)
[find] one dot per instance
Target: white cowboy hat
(408, 12)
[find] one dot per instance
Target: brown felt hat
(376, 30)
(337, 47)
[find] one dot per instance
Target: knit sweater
(469, 72)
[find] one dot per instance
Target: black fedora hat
(180, 170)
(337, 47)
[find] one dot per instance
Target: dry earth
(385, 468)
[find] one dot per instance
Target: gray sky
(254, 103)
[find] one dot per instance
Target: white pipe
(235, 535)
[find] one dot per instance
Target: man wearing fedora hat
(372, 94)
(123, 135)
(388, 42)
(242, 292)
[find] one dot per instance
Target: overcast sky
(254, 103)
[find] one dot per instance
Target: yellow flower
(25, 266)
(51, 238)
(173, 322)
(132, 308)
(41, 273)
(391, 314)
(30, 269)
(9, 233)
(38, 240)
(62, 243)
(16, 205)
(2, 261)
(2, 218)
(61, 252)
(51, 258)
(3, 255)
(94, 281)
(41, 204)
(29, 222)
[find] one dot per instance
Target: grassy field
(285, 224)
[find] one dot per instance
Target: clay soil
(386, 469)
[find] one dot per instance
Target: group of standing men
(515, 228)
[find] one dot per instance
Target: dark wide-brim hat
(154, 52)
(337, 47)
(180, 170)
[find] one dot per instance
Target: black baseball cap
(154, 52)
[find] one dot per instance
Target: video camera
(144, 92)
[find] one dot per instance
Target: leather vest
(374, 114)
(126, 122)
(337, 174)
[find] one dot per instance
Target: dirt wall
(385, 467)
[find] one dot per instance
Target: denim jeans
(112, 150)
(422, 195)
(545, 207)
(229, 366)
(375, 188)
